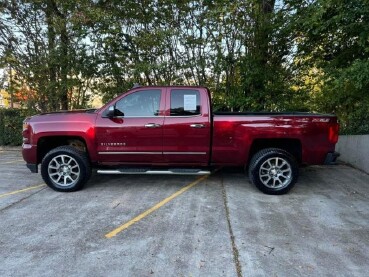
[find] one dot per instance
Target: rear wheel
(65, 169)
(273, 171)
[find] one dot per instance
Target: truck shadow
(312, 180)
(126, 180)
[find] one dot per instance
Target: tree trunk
(63, 58)
(11, 88)
(64, 41)
(52, 66)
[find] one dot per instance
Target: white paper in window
(189, 102)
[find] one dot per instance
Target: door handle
(197, 125)
(152, 125)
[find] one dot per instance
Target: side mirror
(110, 112)
(113, 112)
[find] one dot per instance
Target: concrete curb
(10, 148)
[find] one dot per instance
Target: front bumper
(29, 153)
(331, 158)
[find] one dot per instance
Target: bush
(11, 124)
(356, 123)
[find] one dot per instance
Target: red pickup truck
(172, 130)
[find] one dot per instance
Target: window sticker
(189, 102)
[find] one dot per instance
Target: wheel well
(292, 146)
(46, 144)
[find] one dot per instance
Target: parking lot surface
(219, 225)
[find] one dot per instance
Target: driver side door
(137, 136)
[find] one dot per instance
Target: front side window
(140, 103)
(184, 102)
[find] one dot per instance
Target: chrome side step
(174, 171)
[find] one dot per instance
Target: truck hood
(69, 112)
(67, 116)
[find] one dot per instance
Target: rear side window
(184, 102)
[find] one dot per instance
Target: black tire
(65, 169)
(273, 171)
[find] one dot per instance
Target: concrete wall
(355, 151)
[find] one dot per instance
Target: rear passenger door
(186, 132)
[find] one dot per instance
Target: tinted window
(140, 103)
(184, 102)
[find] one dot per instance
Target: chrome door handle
(197, 125)
(152, 125)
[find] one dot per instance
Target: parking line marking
(154, 208)
(21, 190)
(12, 162)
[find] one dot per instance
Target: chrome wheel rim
(275, 173)
(64, 170)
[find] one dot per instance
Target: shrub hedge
(11, 124)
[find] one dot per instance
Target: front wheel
(273, 171)
(65, 169)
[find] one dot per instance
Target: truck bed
(270, 114)
(238, 135)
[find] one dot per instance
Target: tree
(253, 54)
(45, 38)
(333, 37)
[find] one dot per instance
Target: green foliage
(45, 43)
(11, 122)
(333, 37)
(253, 55)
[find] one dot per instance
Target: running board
(174, 171)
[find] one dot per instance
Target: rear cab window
(185, 102)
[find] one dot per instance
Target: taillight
(333, 133)
(25, 132)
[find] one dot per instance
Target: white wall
(355, 151)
